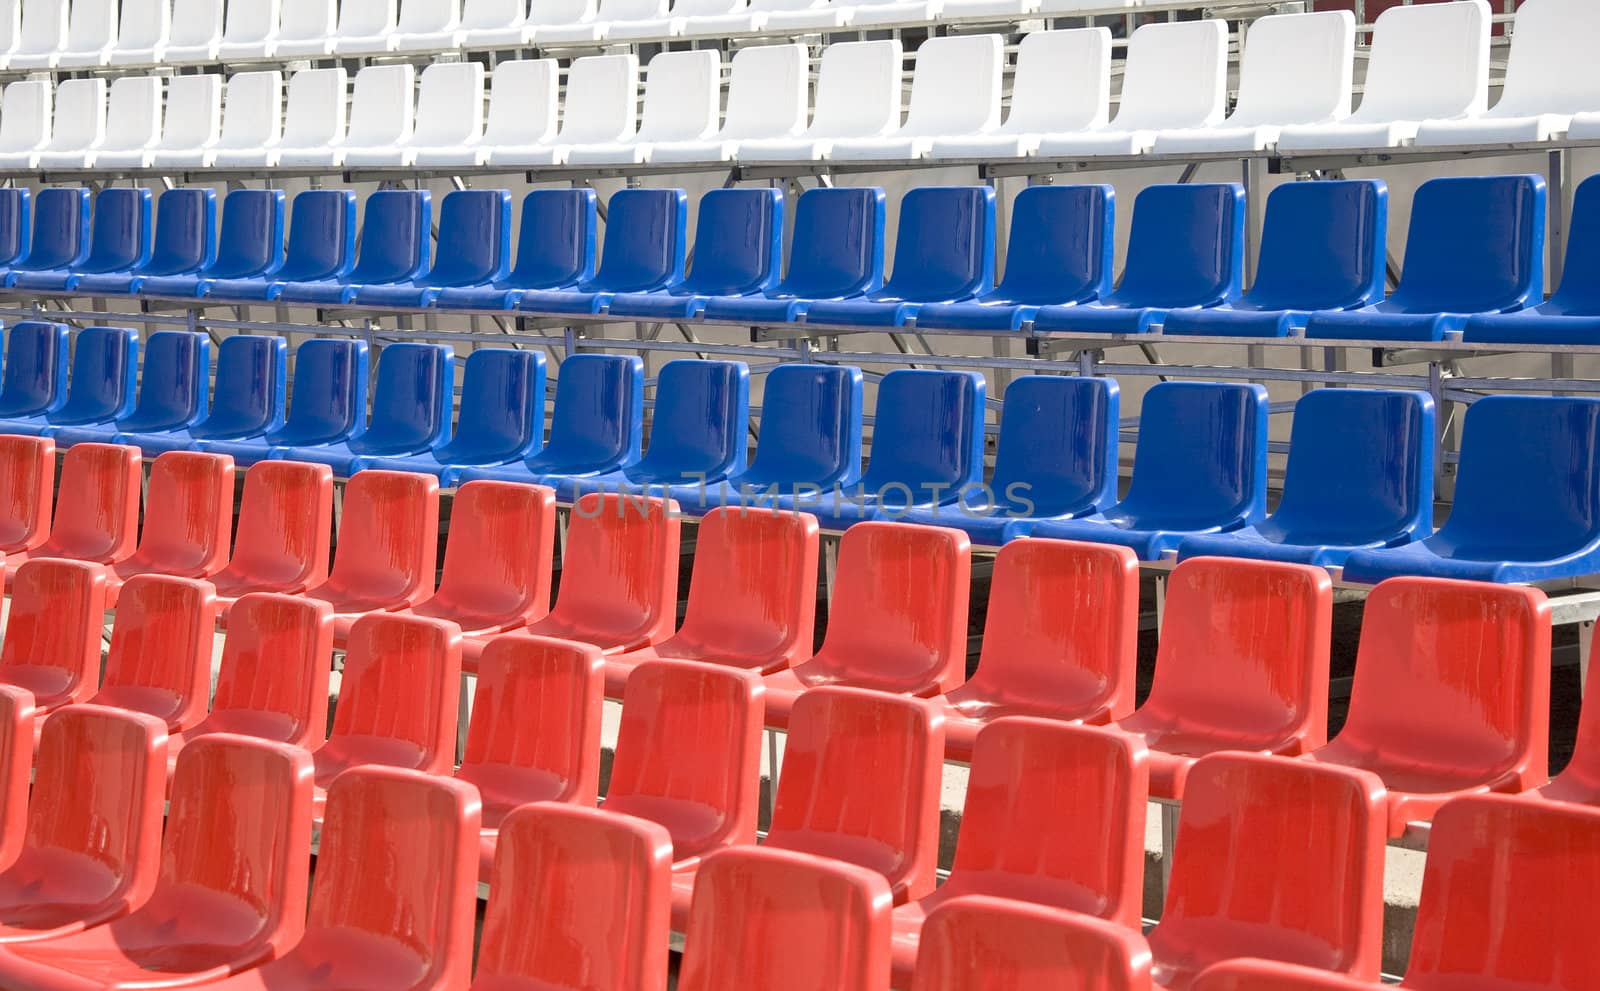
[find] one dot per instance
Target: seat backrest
(631, 10)
(105, 364)
(701, 418)
(251, 239)
(858, 90)
(957, 85)
(1549, 70)
(15, 221)
(449, 104)
(80, 114)
(252, 378)
(944, 245)
(133, 113)
(285, 523)
(91, 25)
(388, 534)
(60, 228)
(646, 240)
(738, 242)
(810, 430)
(782, 921)
(52, 642)
(1476, 244)
(159, 661)
(996, 942)
(1427, 62)
(1062, 82)
(767, 94)
(838, 243)
(248, 23)
(366, 18)
(502, 406)
(330, 390)
(1201, 455)
(27, 490)
(1176, 75)
(303, 20)
(322, 235)
(936, 418)
(186, 232)
(253, 111)
(172, 390)
(315, 114)
(688, 753)
(26, 123)
(394, 237)
(10, 25)
(1323, 245)
(556, 238)
(412, 400)
(429, 15)
(1237, 888)
(474, 239)
(119, 238)
(196, 22)
(397, 701)
(1062, 244)
(599, 412)
(501, 546)
(602, 102)
(1248, 974)
(1185, 246)
(620, 558)
(1579, 291)
(481, 14)
(1297, 68)
(35, 380)
(578, 898)
(17, 716)
(1058, 444)
(273, 679)
(682, 95)
(190, 512)
(194, 112)
(146, 24)
(97, 502)
(44, 25)
(522, 104)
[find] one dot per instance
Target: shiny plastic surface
(97, 507)
(1265, 975)
(738, 251)
(52, 642)
(388, 544)
(35, 378)
(17, 721)
(16, 225)
(105, 367)
(322, 247)
(119, 241)
(60, 231)
(555, 250)
(249, 245)
(473, 248)
(159, 661)
(185, 243)
(644, 250)
(248, 401)
(394, 247)
(27, 491)
(1572, 314)
(980, 943)
(285, 528)
(330, 402)
(188, 522)
(172, 390)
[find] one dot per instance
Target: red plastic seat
(688, 757)
(285, 531)
(785, 921)
(159, 661)
(1578, 782)
(17, 718)
(898, 619)
(1055, 816)
(978, 943)
(535, 729)
(1265, 975)
(1242, 664)
(27, 488)
(52, 638)
(578, 902)
(388, 543)
(397, 698)
(1279, 859)
(232, 889)
(188, 520)
(97, 509)
(396, 892)
(92, 848)
(752, 596)
(1451, 694)
(1073, 660)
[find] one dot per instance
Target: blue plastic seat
(105, 366)
(836, 253)
(596, 427)
(1061, 251)
(250, 246)
(646, 233)
(1323, 247)
(1057, 459)
(329, 403)
(810, 440)
(410, 410)
(60, 232)
(927, 447)
(394, 249)
(1475, 245)
(738, 251)
(474, 250)
(16, 226)
(1572, 313)
(34, 383)
(1527, 499)
(185, 243)
(119, 241)
(501, 421)
(172, 391)
(555, 250)
(944, 253)
(1360, 475)
(247, 401)
(322, 248)
(1200, 466)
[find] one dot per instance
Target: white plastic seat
(382, 114)
(1175, 76)
(766, 99)
(545, 15)
(196, 31)
(811, 17)
(313, 120)
(449, 116)
(10, 28)
(744, 19)
(1551, 76)
(43, 34)
(682, 93)
(192, 124)
(674, 25)
(133, 124)
(252, 122)
(602, 107)
(146, 27)
(250, 31)
(610, 13)
(307, 28)
(80, 124)
(495, 24)
(522, 115)
(955, 91)
(427, 25)
(882, 13)
(24, 124)
(91, 34)
(858, 96)
(1062, 84)
(366, 27)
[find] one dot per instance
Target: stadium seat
(752, 596)
(1578, 782)
(250, 31)
(394, 250)
(52, 643)
(955, 92)
(785, 921)
(196, 32)
(587, 31)
(188, 530)
(307, 28)
(105, 363)
(172, 392)
(249, 246)
(16, 769)
(1186, 250)
(1248, 974)
(1572, 314)
(388, 543)
(682, 94)
(898, 622)
(92, 849)
(381, 117)
(1062, 83)
(579, 899)
(858, 96)
(1476, 245)
(1242, 664)
(35, 381)
(133, 127)
(25, 126)
(836, 253)
(1200, 467)
(366, 28)
(601, 108)
(192, 124)
(449, 118)
(1061, 251)
(59, 238)
(1074, 661)
(494, 24)
(16, 222)
(1175, 76)
(1360, 475)
(80, 122)
(321, 249)
(1323, 248)
(27, 491)
(767, 98)
(1451, 695)
(752, 17)
(979, 939)
(595, 428)
(330, 402)
(91, 35)
(119, 241)
(410, 410)
(1054, 817)
(427, 25)
(43, 34)
(473, 250)
(97, 507)
(522, 112)
(535, 730)
(159, 661)
(313, 125)
(185, 243)
(673, 26)
(146, 26)
(252, 122)
(738, 252)
(555, 250)
(285, 527)
(248, 400)
(802, 16)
